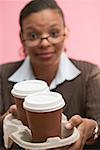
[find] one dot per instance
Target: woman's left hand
(85, 127)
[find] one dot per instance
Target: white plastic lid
(24, 88)
(44, 102)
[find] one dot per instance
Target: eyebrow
(33, 28)
(55, 25)
(52, 25)
(28, 28)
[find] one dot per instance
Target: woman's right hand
(12, 109)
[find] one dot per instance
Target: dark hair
(38, 5)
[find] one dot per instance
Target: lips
(45, 55)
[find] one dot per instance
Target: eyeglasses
(35, 40)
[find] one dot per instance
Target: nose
(44, 42)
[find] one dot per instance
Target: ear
(66, 35)
(21, 37)
(66, 31)
(23, 52)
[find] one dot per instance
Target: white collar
(67, 71)
(24, 72)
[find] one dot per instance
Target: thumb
(74, 121)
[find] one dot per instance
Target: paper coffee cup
(44, 115)
(24, 88)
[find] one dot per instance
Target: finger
(77, 145)
(13, 109)
(4, 115)
(74, 122)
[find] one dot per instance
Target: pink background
(82, 17)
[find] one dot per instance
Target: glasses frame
(46, 38)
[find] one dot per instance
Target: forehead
(43, 19)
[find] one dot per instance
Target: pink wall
(82, 17)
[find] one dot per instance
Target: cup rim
(55, 102)
(21, 90)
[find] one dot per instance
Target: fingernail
(68, 126)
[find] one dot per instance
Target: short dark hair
(38, 5)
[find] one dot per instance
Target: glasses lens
(32, 43)
(52, 40)
(55, 40)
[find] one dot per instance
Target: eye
(32, 36)
(54, 34)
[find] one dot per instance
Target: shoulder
(85, 66)
(10, 68)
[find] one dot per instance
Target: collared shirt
(66, 71)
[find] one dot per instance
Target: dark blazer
(81, 94)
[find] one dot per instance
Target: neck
(46, 73)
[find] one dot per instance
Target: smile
(46, 55)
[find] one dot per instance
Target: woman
(43, 32)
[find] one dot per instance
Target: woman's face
(37, 27)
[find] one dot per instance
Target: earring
(65, 49)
